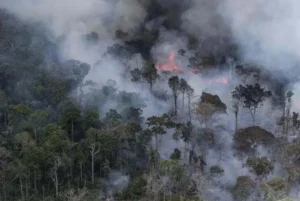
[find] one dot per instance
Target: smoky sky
(266, 32)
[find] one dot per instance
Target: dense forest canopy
(139, 100)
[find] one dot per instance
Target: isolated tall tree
(187, 131)
(38, 119)
(236, 106)
(287, 112)
(4, 102)
(150, 74)
(253, 96)
(158, 125)
(54, 173)
(92, 138)
(190, 93)
(174, 84)
(91, 120)
(183, 89)
(70, 117)
(207, 106)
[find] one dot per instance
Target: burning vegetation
(171, 67)
(129, 129)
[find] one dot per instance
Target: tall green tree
(174, 84)
(158, 125)
(183, 89)
(91, 119)
(38, 120)
(71, 117)
(252, 96)
(4, 108)
(112, 118)
(190, 93)
(150, 74)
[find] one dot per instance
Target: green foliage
(133, 115)
(275, 188)
(158, 125)
(91, 119)
(216, 170)
(247, 139)
(55, 146)
(243, 188)
(260, 166)
(54, 140)
(291, 152)
(149, 74)
(71, 118)
(183, 86)
(252, 96)
(187, 131)
(182, 198)
(172, 168)
(112, 118)
(176, 155)
(213, 100)
(135, 190)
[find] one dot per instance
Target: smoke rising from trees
(122, 38)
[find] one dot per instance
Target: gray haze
(267, 32)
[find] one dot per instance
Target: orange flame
(170, 65)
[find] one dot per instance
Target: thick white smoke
(75, 18)
(266, 31)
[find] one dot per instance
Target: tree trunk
(156, 142)
(182, 100)
(253, 116)
(175, 102)
(283, 117)
(35, 134)
(189, 107)
(4, 194)
(80, 94)
(151, 85)
(80, 171)
(21, 188)
(56, 184)
(236, 120)
(26, 188)
(93, 156)
(288, 108)
(93, 153)
(35, 189)
(72, 131)
(185, 153)
(5, 119)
